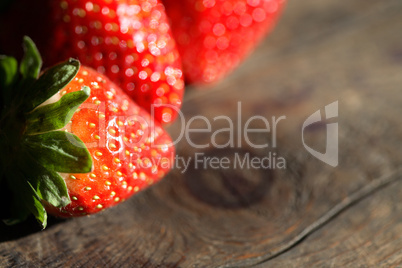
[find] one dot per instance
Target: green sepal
(59, 151)
(31, 62)
(26, 201)
(8, 76)
(32, 154)
(48, 184)
(8, 71)
(50, 82)
(56, 115)
(36, 207)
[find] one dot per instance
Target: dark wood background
(309, 214)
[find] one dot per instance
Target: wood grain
(322, 51)
(367, 235)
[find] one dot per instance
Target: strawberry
(128, 40)
(214, 36)
(73, 143)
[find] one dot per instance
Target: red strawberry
(73, 163)
(128, 40)
(214, 36)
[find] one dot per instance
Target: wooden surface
(309, 214)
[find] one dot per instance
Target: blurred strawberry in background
(128, 40)
(214, 36)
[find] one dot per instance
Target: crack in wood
(348, 202)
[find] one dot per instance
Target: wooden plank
(368, 235)
(321, 52)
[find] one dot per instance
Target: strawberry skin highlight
(128, 155)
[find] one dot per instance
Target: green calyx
(34, 148)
